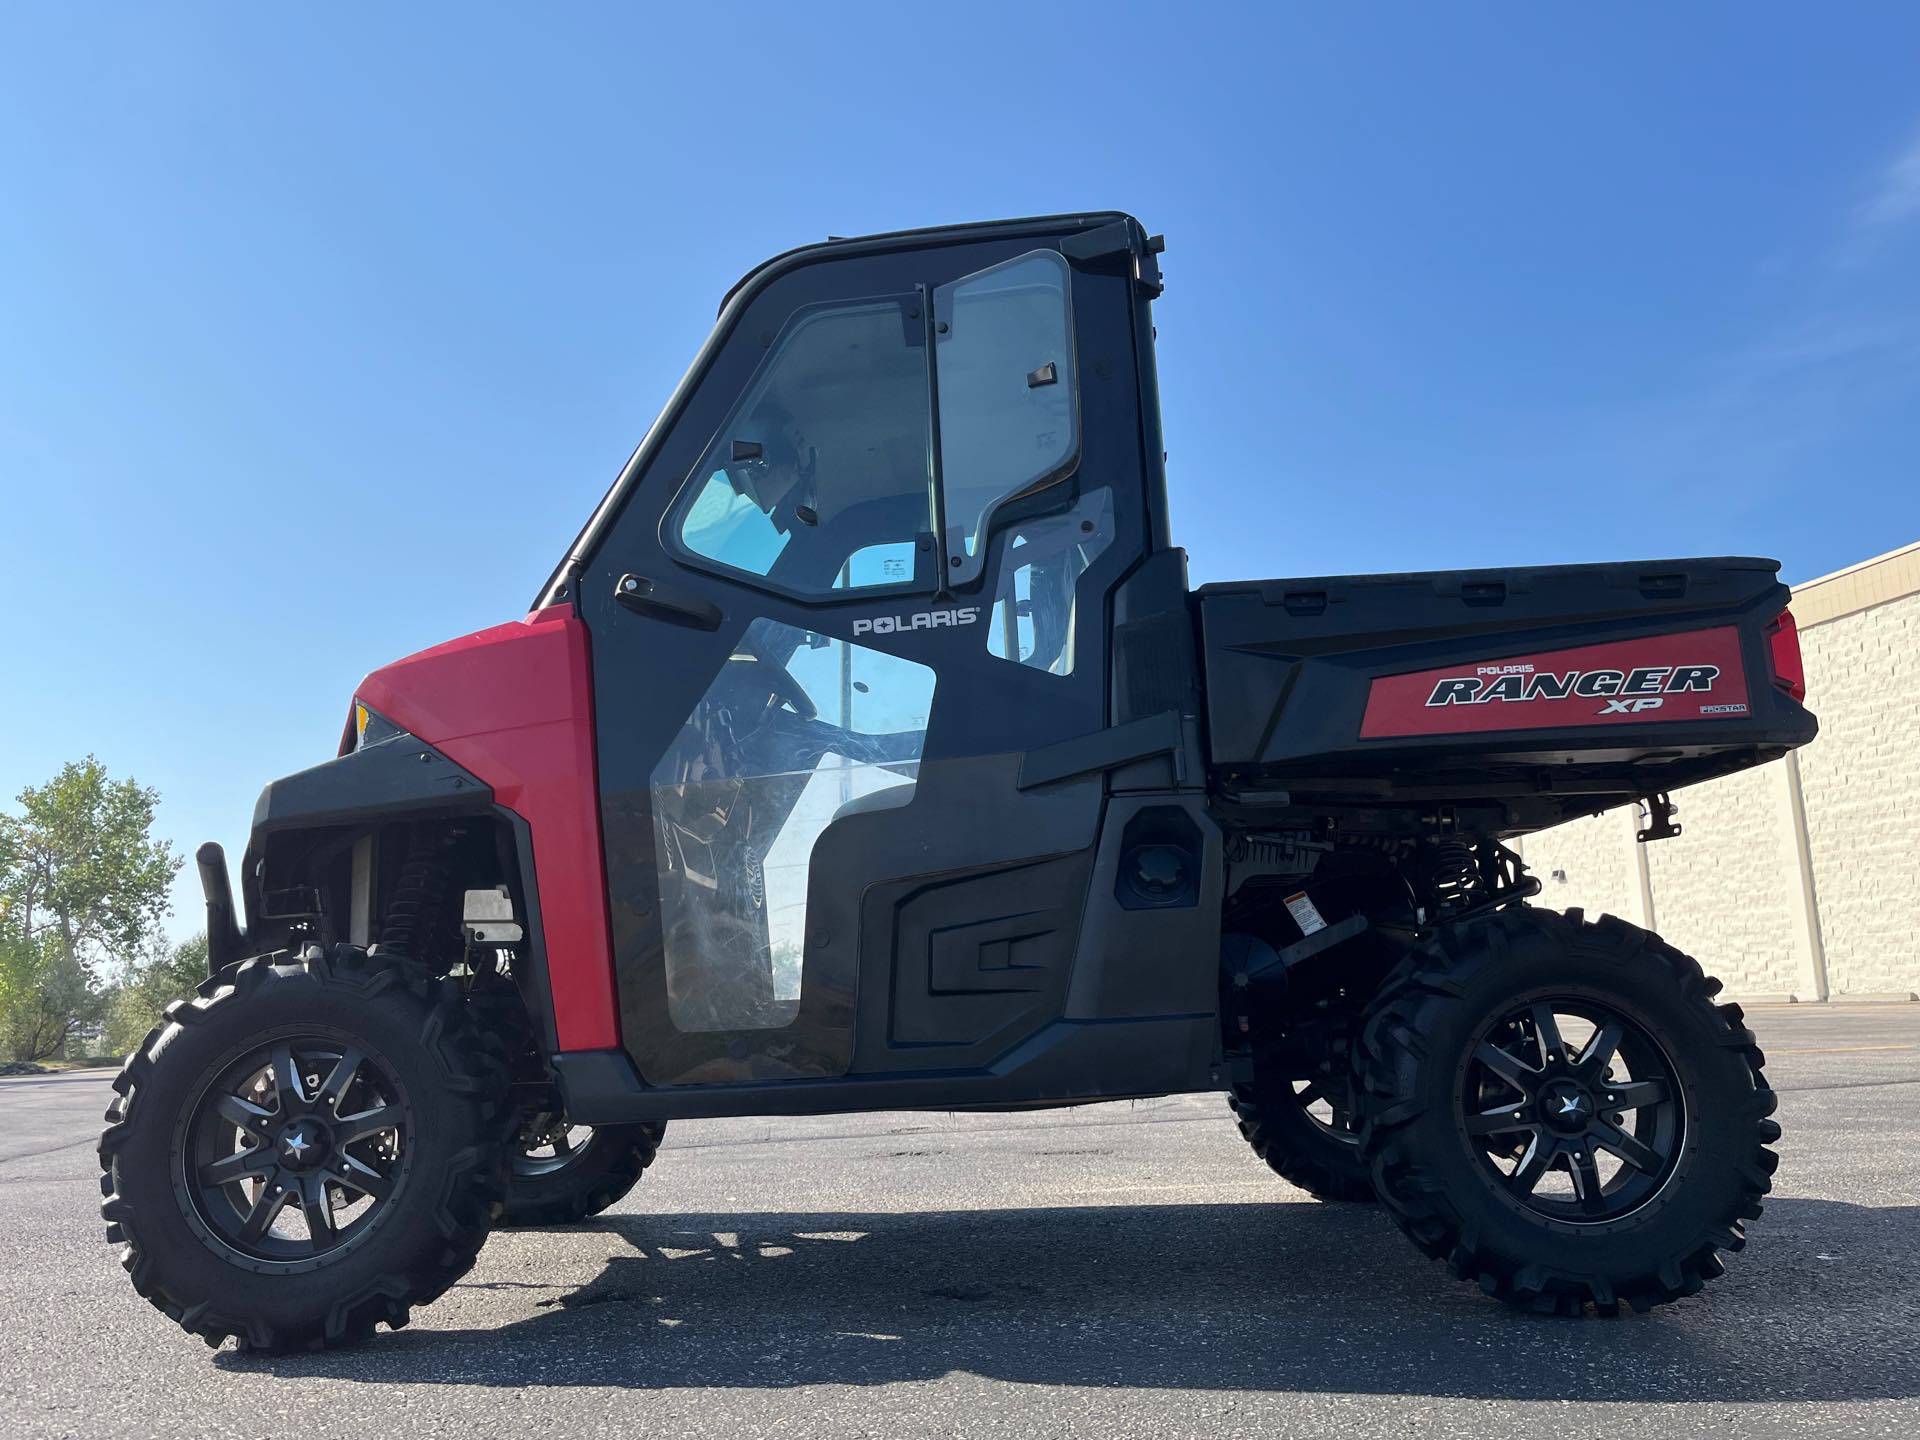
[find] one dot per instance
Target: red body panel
(1694, 675)
(514, 706)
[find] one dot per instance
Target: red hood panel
(514, 706)
(501, 678)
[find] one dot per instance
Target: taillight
(1783, 656)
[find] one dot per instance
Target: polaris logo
(919, 620)
(1626, 692)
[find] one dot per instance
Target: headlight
(370, 727)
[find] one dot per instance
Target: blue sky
(320, 334)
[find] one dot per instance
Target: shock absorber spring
(1456, 878)
(413, 913)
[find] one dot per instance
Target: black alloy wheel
(561, 1173)
(294, 1150)
(547, 1144)
(1561, 1112)
(1575, 1109)
(1326, 1106)
(1308, 1133)
(308, 1148)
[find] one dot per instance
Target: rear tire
(1321, 1158)
(600, 1169)
(1477, 1096)
(308, 1149)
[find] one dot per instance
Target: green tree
(48, 996)
(168, 974)
(82, 883)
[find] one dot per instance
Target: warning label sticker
(1305, 913)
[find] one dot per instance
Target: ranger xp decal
(1690, 676)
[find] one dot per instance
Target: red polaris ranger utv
(868, 751)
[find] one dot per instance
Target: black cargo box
(1584, 684)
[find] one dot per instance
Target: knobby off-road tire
(1324, 1162)
(1418, 1054)
(600, 1170)
(442, 1162)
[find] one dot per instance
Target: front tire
(309, 1148)
(1560, 1111)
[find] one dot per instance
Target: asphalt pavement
(1116, 1270)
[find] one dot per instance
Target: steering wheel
(778, 679)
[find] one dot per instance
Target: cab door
(855, 579)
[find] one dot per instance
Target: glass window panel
(1008, 391)
(826, 455)
(1036, 609)
(796, 731)
(724, 525)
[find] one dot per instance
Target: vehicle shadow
(1273, 1297)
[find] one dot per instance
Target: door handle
(643, 597)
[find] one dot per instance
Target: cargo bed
(1551, 691)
